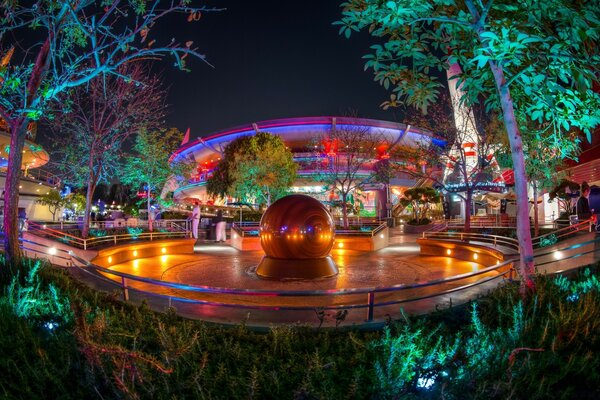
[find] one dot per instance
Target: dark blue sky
(272, 59)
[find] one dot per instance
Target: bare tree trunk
(89, 196)
(12, 251)
(468, 201)
(536, 222)
(18, 129)
(527, 263)
(148, 208)
(344, 210)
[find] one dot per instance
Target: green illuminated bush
(542, 347)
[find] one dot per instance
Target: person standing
(195, 220)
(221, 225)
(22, 220)
(583, 203)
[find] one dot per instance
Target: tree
(420, 200)
(347, 156)
(76, 202)
(53, 200)
(564, 193)
(535, 60)
(149, 165)
(103, 115)
(63, 45)
(462, 159)
(258, 168)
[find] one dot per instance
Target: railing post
(115, 239)
(495, 238)
(150, 236)
(371, 303)
(85, 244)
(461, 236)
(125, 290)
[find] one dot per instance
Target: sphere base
(311, 268)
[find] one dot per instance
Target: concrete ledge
(416, 228)
(127, 252)
(40, 245)
(362, 243)
(347, 242)
(461, 250)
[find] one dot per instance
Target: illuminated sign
(498, 187)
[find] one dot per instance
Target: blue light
(50, 325)
(425, 383)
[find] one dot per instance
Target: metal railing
(123, 280)
(563, 233)
(494, 240)
(505, 270)
(249, 228)
(539, 241)
(171, 228)
(42, 175)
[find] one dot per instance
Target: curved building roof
(297, 133)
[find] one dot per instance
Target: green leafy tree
(420, 200)
(104, 114)
(258, 168)
(53, 200)
(149, 165)
(62, 45)
(76, 202)
(533, 60)
(563, 193)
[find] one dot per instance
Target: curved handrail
(370, 304)
(481, 237)
(566, 231)
(85, 243)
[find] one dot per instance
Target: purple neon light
(294, 122)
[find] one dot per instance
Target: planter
(416, 228)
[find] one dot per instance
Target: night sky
(272, 59)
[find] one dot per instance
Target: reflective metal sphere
(297, 233)
(298, 227)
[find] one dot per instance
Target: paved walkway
(218, 265)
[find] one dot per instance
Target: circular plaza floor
(221, 266)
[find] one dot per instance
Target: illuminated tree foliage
(65, 44)
(530, 60)
(420, 199)
(53, 200)
(103, 114)
(257, 169)
(149, 166)
(564, 193)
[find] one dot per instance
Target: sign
(497, 187)
(373, 186)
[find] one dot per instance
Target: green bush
(546, 345)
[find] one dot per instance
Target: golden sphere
(297, 227)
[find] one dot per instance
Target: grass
(502, 346)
